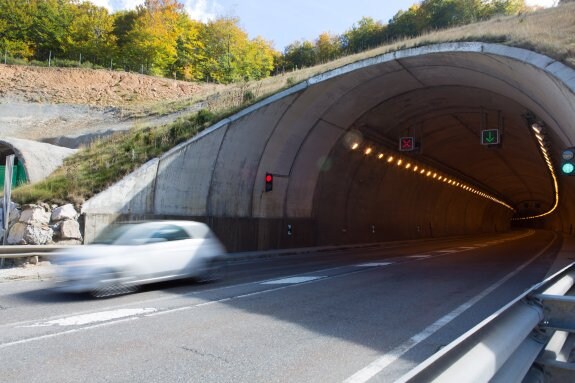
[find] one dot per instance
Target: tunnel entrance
(18, 173)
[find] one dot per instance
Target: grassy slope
(550, 32)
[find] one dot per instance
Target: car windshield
(126, 234)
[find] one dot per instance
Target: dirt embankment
(91, 87)
(49, 103)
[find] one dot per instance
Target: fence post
(6, 200)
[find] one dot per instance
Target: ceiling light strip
(427, 171)
(538, 131)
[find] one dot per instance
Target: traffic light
(269, 182)
(568, 162)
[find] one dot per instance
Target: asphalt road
(356, 315)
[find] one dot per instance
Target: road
(355, 315)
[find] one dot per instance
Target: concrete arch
(442, 94)
(39, 159)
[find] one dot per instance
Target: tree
(152, 41)
(92, 34)
(51, 20)
(328, 47)
(300, 54)
(367, 34)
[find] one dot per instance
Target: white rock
(70, 229)
(23, 234)
(16, 234)
(64, 212)
(34, 215)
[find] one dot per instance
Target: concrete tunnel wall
(321, 188)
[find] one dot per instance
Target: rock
(70, 229)
(34, 215)
(14, 213)
(16, 234)
(23, 234)
(64, 212)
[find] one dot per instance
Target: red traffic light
(269, 182)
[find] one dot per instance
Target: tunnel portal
(340, 174)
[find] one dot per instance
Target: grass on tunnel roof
(94, 168)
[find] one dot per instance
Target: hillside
(44, 103)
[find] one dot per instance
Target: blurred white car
(128, 255)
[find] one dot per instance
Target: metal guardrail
(10, 252)
(532, 339)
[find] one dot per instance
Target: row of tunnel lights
(538, 131)
(427, 172)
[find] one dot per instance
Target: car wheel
(212, 272)
(112, 286)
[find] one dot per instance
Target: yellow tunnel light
(415, 168)
(368, 151)
(408, 165)
(428, 173)
(434, 175)
(399, 162)
(354, 146)
(380, 156)
(390, 159)
(440, 178)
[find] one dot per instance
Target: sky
(285, 21)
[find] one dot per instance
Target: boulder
(24, 234)
(70, 229)
(14, 213)
(34, 215)
(64, 212)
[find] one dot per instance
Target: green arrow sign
(490, 137)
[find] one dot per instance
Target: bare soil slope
(47, 103)
(91, 87)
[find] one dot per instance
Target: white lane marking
(447, 251)
(384, 361)
(48, 336)
(375, 264)
(292, 280)
(467, 248)
(103, 316)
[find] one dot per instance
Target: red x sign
(406, 144)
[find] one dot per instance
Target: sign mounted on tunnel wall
(406, 144)
(490, 137)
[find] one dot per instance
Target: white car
(128, 255)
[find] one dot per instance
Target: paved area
(42, 270)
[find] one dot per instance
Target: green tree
(16, 19)
(92, 34)
(51, 20)
(367, 34)
(300, 54)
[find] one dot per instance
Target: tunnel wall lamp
(408, 164)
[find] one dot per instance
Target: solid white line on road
(98, 317)
(375, 264)
(292, 280)
(448, 251)
(384, 361)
